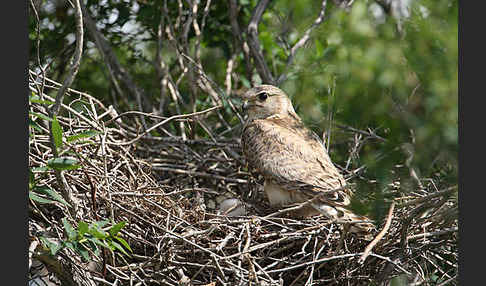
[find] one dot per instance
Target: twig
(54, 110)
(76, 59)
(434, 233)
(222, 95)
(256, 247)
(431, 196)
(55, 266)
(164, 122)
(40, 90)
(168, 231)
(379, 236)
(237, 34)
(254, 43)
(333, 258)
(349, 128)
(303, 41)
(448, 281)
(218, 267)
(117, 72)
(33, 245)
(70, 90)
(135, 112)
(201, 174)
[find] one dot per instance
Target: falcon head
(266, 100)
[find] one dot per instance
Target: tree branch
(254, 43)
(117, 72)
(76, 59)
(54, 110)
(303, 40)
(380, 235)
(240, 42)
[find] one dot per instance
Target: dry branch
(380, 235)
(169, 189)
(116, 71)
(302, 41)
(66, 190)
(254, 43)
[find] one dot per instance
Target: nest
(170, 191)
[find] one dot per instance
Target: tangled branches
(169, 191)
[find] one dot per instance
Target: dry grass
(168, 191)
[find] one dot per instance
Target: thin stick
(164, 122)
(380, 235)
(254, 42)
(303, 40)
(431, 196)
(201, 174)
(73, 70)
(349, 128)
(66, 190)
(434, 233)
(168, 231)
(333, 258)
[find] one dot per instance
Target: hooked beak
(245, 105)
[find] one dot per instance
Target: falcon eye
(262, 96)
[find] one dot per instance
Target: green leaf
(93, 246)
(85, 134)
(63, 163)
(123, 242)
(100, 224)
(119, 247)
(319, 48)
(36, 99)
(69, 244)
(84, 252)
(97, 233)
(53, 247)
(99, 242)
(116, 228)
(40, 169)
(40, 115)
(57, 133)
(83, 228)
(36, 198)
(34, 125)
(53, 194)
(71, 232)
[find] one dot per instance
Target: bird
(293, 160)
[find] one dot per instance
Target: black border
(14, 214)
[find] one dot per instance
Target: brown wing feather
(283, 150)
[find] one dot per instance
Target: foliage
(378, 84)
(357, 67)
(403, 85)
(87, 239)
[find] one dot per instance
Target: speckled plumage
(292, 158)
